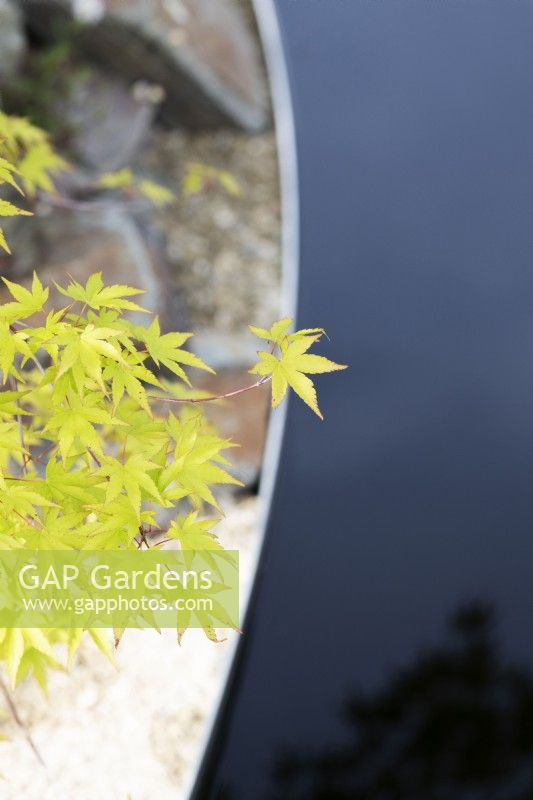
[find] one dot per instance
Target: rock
(107, 121)
(67, 243)
(12, 40)
(226, 351)
(200, 52)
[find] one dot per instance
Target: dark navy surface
(389, 647)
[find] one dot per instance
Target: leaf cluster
(27, 163)
(93, 450)
(85, 462)
(95, 446)
(294, 363)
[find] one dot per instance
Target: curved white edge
(271, 40)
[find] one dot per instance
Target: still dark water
(389, 651)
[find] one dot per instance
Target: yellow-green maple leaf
(83, 353)
(159, 195)
(7, 172)
(76, 422)
(11, 343)
(194, 534)
(193, 466)
(167, 350)
(37, 165)
(133, 477)
(95, 295)
(293, 365)
(28, 302)
(7, 209)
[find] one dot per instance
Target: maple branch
(66, 310)
(96, 202)
(213, 398)
(34, 522)
(164, 541)
(96, 460)
(46, 450)
(144, 540)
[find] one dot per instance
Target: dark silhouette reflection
(457, 724)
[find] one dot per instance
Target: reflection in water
(457, 724)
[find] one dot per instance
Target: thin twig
(66, 310)
(144, 540)
(212, 398)
(97, 204)
(33, 521)
(19, 721)
(164, 541)
(46, 450)
(96, 460)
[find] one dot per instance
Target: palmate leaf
(293, 364)
(192, 469)
(11, 343)
(276, 334)
(37, 658)
(10, 439)
(95, 295)
(76, 422)
(83, 353)
(59, 528)
(143, 432)
(166, 350)
(7, 174)
(196, 538)
(76, 485)
(194, 534)
(17, 499)
(133, 477)
(113, 527)
(27, 158)
(127, 377)
(102, 641)
(8, 404)
(37, 166)
(7, 209)
(27, 302)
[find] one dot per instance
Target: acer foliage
(293, 362)
(28, 163)
(101, 432)
(95, 443)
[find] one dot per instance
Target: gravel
(224, 251)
